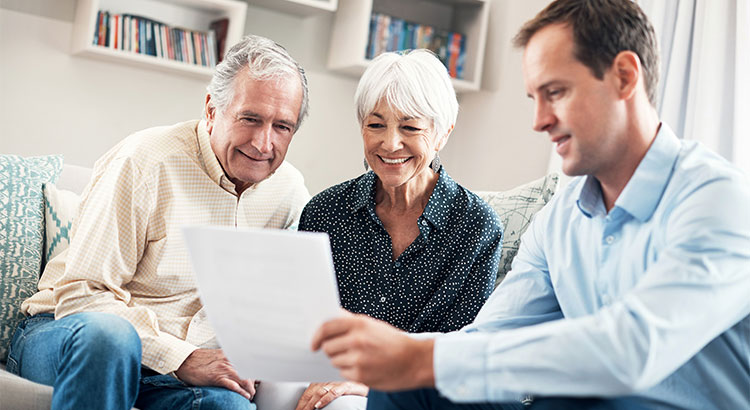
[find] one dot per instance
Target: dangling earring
(367, 166)
(435, 164)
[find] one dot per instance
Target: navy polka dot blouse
(438, 283)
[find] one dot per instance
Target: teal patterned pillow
(515, 209)
(21, 233)
(60, 207)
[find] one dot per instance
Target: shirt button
(161, 363)
(610, 239)
(382, 298)
(398, 264)
(424, 222)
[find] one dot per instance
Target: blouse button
(398, 264)
(424, 222)
(382, 298)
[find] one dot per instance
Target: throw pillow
(21, 233)
(515, 208)
(60, 207)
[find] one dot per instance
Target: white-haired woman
(410, 245)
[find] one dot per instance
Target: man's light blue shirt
(650, 300)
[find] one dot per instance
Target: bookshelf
(298, 7)
(188, 14)
(351, 30)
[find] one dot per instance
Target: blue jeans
(424, 399)
(428, 399)
(159, 391)
(93, 361)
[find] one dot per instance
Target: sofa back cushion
(21, 233)
(515, 208)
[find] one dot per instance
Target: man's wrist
(423, 362)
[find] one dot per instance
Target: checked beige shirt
(127, 254)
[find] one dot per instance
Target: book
(220, 28)
(394, 34)
(147, 36)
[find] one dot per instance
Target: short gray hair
(265, 59)
(414, 83)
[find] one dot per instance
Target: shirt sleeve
(109, 240)
(695, 290)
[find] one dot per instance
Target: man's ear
(628, 73)
(210, 114)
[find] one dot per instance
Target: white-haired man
(117, 321)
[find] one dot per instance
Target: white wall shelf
(298, 7)
(189, 14)
(351, 30)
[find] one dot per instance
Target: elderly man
(123, 295)
(630, 290)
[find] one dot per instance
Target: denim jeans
(428, 399)
(431, 399)
(93, 361)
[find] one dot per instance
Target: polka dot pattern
(439, 283)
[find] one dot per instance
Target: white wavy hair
(414, 83)
(265, 60)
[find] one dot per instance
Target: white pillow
(516, 208)
(60, 208)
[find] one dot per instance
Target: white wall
(53, 102)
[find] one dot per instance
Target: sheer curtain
(704, 91)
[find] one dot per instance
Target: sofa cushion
(515, 208)
(21, 233)
(18, 393)
(60, 207)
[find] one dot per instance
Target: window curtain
(704, 92)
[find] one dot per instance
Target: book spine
(211, 40)
(191, 49)
(149, 37)
(157, 40)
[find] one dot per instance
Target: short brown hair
(601, 30)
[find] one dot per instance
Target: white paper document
(265, 293)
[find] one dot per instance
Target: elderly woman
(410, 246)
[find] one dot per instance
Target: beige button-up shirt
(127, 254)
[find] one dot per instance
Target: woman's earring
(435, 164)
(367, 166)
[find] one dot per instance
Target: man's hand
(318, 395)
(209, 367)
(375, 353)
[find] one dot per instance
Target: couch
(59, 197)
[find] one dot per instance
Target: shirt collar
(436, 212)
(438, 208)
(644, 190)
(210, 162)
(363, 193)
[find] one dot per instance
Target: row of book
(147, 36)
(389, 33)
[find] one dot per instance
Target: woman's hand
(318, 395)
